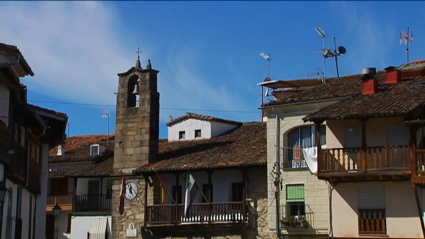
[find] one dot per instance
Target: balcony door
(93, 196)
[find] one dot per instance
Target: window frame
(196, 134)
(182, 135)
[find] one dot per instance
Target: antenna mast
(407, 37)
(106, 114)
(322, 33)
(268, 58)
(336, 60)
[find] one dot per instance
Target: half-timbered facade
(26, 134)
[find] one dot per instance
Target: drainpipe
(277, 179)
(418, 204)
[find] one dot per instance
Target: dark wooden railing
(372, 222)
(59, 199)
(199, 213)
(358, 160)
(93, 203)
(19, 160)
(34, 178)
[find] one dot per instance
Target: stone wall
(136, 143)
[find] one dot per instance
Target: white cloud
(71, 46)
(371, 36)
(76, 51)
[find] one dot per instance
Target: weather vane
(138, 53)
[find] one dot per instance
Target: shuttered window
(372, 196)
(295, 193)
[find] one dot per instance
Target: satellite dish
(342, 50)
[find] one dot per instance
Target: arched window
(302, 138)
(132, 96)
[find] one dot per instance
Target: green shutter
(295, 193)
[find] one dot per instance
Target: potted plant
(286, 222)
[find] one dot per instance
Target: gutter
(304, 103)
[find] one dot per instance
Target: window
(372, 210)
(295, 205)
(237, 192)
(207, 193)
(182, 135)
(177, 194)
(197, 133)
(94, 149)
(299, 138)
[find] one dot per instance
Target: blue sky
(208, 53)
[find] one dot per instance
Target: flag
(163, 188)
(192, 189)
(122, 195)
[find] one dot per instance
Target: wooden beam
(319, 147)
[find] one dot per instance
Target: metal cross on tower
(138, 53)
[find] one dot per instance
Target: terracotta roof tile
(346, 86)
(200, 117)
(390, 100)
(77, 148)
(243, 146)
(48, 110)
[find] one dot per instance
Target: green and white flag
(192, 189)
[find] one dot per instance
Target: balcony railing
(230, 212)
(34, 175)
(59, 199)
(93, 203)
(385, 158)
(372, 222)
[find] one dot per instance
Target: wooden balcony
(5, 143)
(229, 215)
(372, 222)
(88, 203)
(17, 170)
(64, 201)
(372, 163)
(418, 175)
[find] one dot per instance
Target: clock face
(131, 190)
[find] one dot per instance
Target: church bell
(136, 89)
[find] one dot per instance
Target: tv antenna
(318, 73)
(407, 38)
(106, 114)
(328, 52)
(268, 58)
(323, 34)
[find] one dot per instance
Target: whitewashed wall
(80, 225)
(189, 126)
(7, 205)
(4, 103)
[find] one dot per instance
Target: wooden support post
(146, 177)
(364, 145)
(176, 195)
(245, 186)
(414, 163)
(319, 147)
(209, 195)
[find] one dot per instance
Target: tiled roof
(35, 107)
(15, 49)
(244, 146)
(390, 100)
(77, 149)
(200, 117)
(101, 168)
(334, 88)
(416, 65)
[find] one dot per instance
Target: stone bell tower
(136, 141)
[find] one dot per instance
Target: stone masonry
(136, 142)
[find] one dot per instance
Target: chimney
(61, 150)
(393, 75)
(370, 84)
